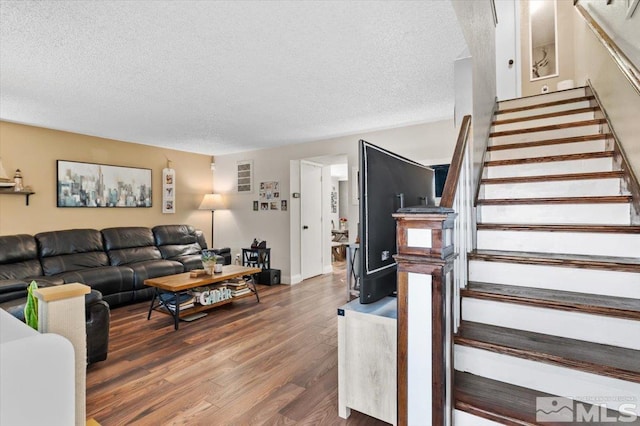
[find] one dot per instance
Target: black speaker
(269, 277)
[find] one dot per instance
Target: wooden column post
(61, 310)
(425, 268)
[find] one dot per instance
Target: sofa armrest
(98, 317)
(225, 252)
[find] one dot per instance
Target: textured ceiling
(218, 77)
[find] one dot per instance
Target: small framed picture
(274, 205)
(283, 205)
(264, 206)
(255, 206)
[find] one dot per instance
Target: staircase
(552, 306)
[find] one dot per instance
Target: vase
(209, 267)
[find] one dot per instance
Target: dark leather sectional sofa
(114, 262)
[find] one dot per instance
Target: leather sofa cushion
(132, 244)
(58, 243)
(74, 262)
(127, 237)
(200, 238)
(114, 282)
(174, 234)
(71, 250)
(19, 257)
(133, 255)
(177, 241)
(17, 248)
(190, 262)
(153, 269)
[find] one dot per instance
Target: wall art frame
(244, 181)
(81, 184)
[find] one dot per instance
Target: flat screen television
(388, 182)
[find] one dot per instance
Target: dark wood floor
(270, 363)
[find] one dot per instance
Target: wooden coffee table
(175, 284)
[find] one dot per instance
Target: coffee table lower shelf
(199, 308)
(178, 283)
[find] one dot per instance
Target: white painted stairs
(552, 306)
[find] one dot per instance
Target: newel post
(61, 310)
(425, 319)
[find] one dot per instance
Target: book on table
(185, 300)
(236, 293)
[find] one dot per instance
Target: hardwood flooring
(268, 363)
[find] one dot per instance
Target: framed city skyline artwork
(101, 185)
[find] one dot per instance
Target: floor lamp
(211, 202)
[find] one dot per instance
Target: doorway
(315, 264)
(311, 219)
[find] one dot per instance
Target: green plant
(207, 256)
(31, 308)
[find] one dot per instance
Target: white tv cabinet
(367, 359)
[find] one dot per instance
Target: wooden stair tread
(608, 199)
(617, 174)
(501, 402)
(549, 127)
(550, 158)
(545, 142)
(548, 115)
(619, 307)
(546, 104)
(611, 361)
(611, 229)
(612, 263)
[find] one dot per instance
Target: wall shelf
(12, 192)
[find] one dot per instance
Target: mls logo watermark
(554, 409)
(559, 410)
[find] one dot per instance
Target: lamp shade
(212, 202)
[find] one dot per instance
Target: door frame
(322, 216)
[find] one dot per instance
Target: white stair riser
(547, 134)
(598, 244)
(612, 214)
(550, 168)
(462, 418)
(579, 280)
(549, 121)
(544, 110)
(573, 325)
(561, 188)
(547, 150)
(540, 99)
(556, 380)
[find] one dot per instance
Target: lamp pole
(212, 214)
(212, 202)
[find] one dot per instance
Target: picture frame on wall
(81, 184)
(168, 190)
(244, 170)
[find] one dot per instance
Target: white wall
(619, 99)
(430, 142)
(613, 18)
(343, 198)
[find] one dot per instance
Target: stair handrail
(453, 175)
(628, 68)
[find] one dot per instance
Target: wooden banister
(450, 185)
(627, 67)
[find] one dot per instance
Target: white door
(508, 50)
(311, 219)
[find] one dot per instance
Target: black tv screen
(388, 182)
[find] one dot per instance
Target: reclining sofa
(114, 262)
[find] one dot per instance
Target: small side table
(353, 274)
(257, 257)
